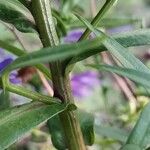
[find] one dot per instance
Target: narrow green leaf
(18, 5)
(15, 122)
(140, 77)
(18, 52)
(13, 13)
(82, 50)
(141, 129)
(4, 100)
(60, 52)
(111, 132)
(134, 38)
(125, 57)
(12, 49)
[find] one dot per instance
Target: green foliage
(134, 38)
(18, 52)
(13, 14)
(141, 130)
(132, 74)
(52, 54)
(86, 49)
(128, 60)
(17, 121)
(4, 100)
(125, 57)
(58, 136)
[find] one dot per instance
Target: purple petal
(84, 83)
(5, 55)
(15, 80)
(7, 59)
(5, 63)
(73, 36)
(88, 78)
(80, 90)
(121, 29)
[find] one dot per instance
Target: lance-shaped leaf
(138, 76)
(128, 39)
(60, 52)
(12, 12)
(125, 57)
(17, 121)
(117, 43)
(140, 130)
(83, 50)
(4, 100)
(12, 49)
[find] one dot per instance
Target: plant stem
(108, 4)
(25, 92)
(41, 11)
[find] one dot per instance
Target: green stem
(41, 11)
(98, 17)
(25, 92)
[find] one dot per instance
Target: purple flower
(121, 29)
(4, 63)
(73, 36)
(84, 83)
(5, 60)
